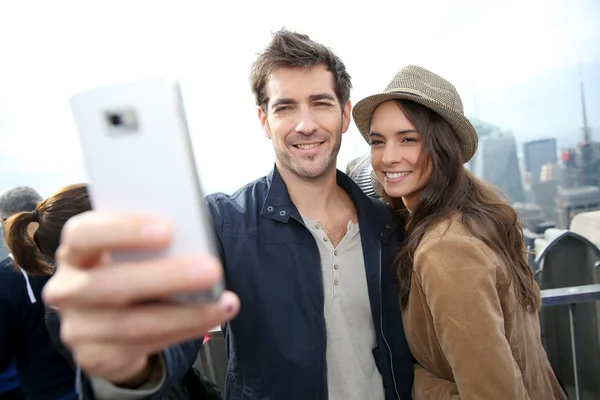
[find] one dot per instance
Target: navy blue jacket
(43, 372)
(276, 345)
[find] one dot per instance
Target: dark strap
(199, 387)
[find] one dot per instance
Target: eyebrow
(314, 97)
(321, 96)
(402, 132)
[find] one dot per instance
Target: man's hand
(110, 316)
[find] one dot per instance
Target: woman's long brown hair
(450, 189)
(35, 254)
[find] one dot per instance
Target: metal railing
(572, 296)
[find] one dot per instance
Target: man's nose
(307, 124)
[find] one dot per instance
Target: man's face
(304, 120)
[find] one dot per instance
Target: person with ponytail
(43, 364)
(33, 237)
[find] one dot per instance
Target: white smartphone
(139, 159)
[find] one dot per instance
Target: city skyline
(514, 64)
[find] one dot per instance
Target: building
(544, 195)
(581, 166)
(573, 201)
(530, 215)
(590, 163)
(496, 160)
(538, 153)
(550, 172)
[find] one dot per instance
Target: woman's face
(395, 148)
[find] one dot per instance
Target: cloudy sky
(514, 63)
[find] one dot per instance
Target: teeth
(396, 175)
(307, 146)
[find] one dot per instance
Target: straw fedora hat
(424, 87)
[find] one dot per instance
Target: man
(20, 198)
(307, 252)
(3, 249)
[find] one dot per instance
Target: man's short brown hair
(294, 50)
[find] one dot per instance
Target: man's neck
(314, 197)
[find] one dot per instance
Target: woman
(32, 238)
(469, 302)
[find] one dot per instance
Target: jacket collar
(279, 206)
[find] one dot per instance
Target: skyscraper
(496, 160)
(538, 153)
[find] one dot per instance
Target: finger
(87, 236)
(152, 326)
(131, 282)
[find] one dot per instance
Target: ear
(346, 116)
(262, 117)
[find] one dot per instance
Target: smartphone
(138, 158)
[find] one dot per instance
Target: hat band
(402, 92)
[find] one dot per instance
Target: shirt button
(325, 238)
(318, 226)
(388, 226)
(335, 282)
(335, 266)
(335, 252)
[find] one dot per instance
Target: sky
(513, 62)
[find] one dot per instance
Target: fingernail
(228, 304)
(154, 229)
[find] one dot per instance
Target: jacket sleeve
(459, 283)
(215, 211)
(433, 388)
(171, 368)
